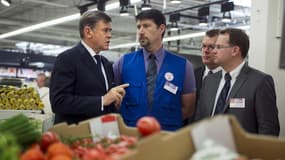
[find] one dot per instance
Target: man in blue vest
(162, 84)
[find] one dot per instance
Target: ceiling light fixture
(203, 14)
(227, 18)
(227, 6)
(6, 2)
(226, 9)
(174, 18)
(203, 21)
(57, 21)
(101, 5)
(174, 26)
(175, 1)
(124, 7)
(146, 5)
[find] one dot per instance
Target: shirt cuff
(102, 106)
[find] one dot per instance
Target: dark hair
(91, 18)
(155, 15)
(212, 33)
(239, 38)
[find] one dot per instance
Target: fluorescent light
(244, 3)
(173, 38)
(175, 1)
(40, 25)
(6, 2)
(56, 21)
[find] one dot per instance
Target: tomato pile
(51, 147)
(104, 149)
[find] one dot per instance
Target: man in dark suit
(248, 94)
(82, 80)
(209, 67)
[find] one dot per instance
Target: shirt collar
(213, 70)
(90, 50)
(157, 54)
(234, 73)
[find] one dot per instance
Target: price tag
(104, 126)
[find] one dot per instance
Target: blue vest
(167, 108)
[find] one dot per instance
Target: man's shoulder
(133, 54)
(255, 72)
(72, 52)
(175, 56)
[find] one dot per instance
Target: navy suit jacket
(259, 114)
(199, 72)
(75, 89)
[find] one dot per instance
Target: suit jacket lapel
(212, 89)
(86, 57)
(89, 61)
(241, 79)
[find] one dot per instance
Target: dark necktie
(100, 73)
(223, 95)
(210, 72)
(151, 79)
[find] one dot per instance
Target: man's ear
(236, 50)
(87, 32)
(162, 28)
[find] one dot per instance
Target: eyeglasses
(221, 47)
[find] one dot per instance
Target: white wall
(265, 29)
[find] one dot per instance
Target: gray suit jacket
(260, 114)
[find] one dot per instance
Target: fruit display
(26, 98)
(16, 134)
(9, 148)
(21, 140)
(23, 129)
(148, 125)
(51, 147)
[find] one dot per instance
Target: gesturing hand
(115, 95)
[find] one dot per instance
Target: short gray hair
(91, 18)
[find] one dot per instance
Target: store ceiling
(24, 13)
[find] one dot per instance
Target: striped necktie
(223, 95)
(151, 79)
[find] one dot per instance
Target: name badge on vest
(170, 87)
(169, 76)
(237, 103)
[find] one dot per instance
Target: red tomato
(33, 154)
(61, 157)
(59, 148)
(92, 154)
(148, 125)
(47, 139)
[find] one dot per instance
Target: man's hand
(115, 95)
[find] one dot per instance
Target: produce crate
(180, 145)
(103, 125)
(5, 114)
(45, 121)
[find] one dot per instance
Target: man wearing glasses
(238, 89)
(209, 66)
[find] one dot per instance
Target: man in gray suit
(238, 89)
(209, 66)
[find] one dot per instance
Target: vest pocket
(133, 94)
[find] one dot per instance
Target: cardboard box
(180, 145)
(84, 128)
